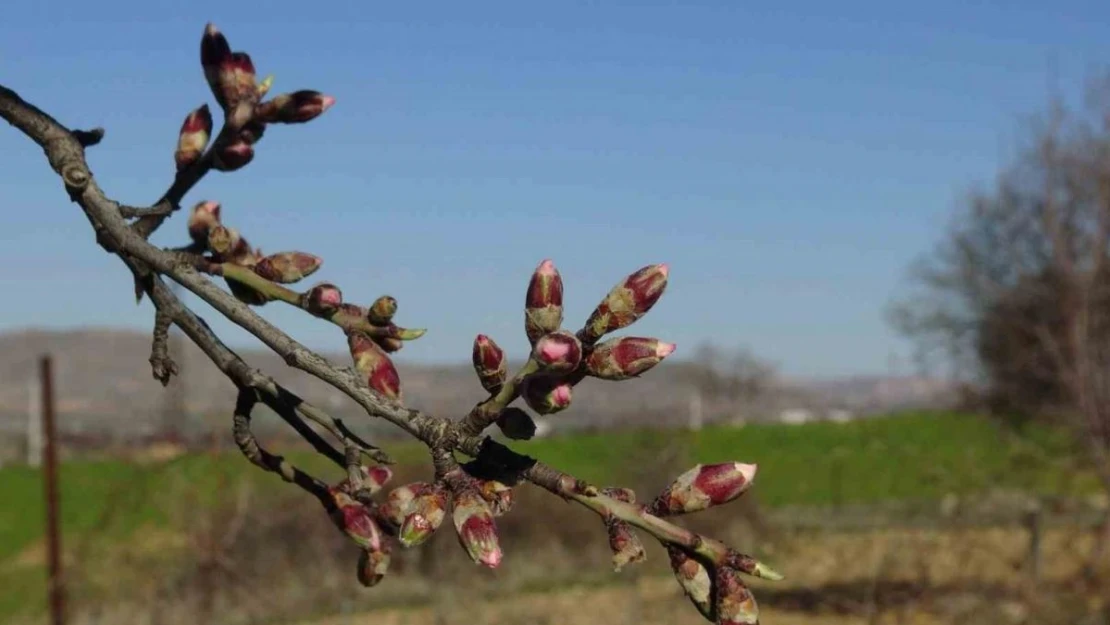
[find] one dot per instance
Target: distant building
(796, 416)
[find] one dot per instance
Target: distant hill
(104, 385)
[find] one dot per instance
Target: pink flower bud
(398, 504)
(294, 108)
(287, 267)
(205, 216)
(373, 363)
(489, 363)
(230, 75)
(543, 304)
(382, 310)
(425, 514)
(322, 298)
(193, 137)
(373, 479)
(355, 520)
(516, 424)
(735, 603)
(373, 565)
(476, 529)
(546, 395)
(704, 486)
(389, 344)
(558, 352)
(625, 544)
(694, 579)
(627, 302)
(626, 357)
(232, 156)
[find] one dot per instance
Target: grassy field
(909, 456)
(912, 456)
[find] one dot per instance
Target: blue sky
(787, 159)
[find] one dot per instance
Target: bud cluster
(233, 80)
(559, 359)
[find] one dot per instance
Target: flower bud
(232, 156)
(626, 357)
(546, 395)
(489, 363)
(355, 520)
(704, 486)
(252, 132)
(205, 216)
(475, 527)
(425, 514)
(322, 298)
(230, 75)
(287, 267)
(499, 496)
(373, 565)
(626, 545)
(373, 363)
(543, 304)
(398, 504)
(516, 424)
(373, 479)
(735, 603)
(626, 302)
(294, 108)
(382, 310)
(694, 579)
(193, 137)
(558, 352)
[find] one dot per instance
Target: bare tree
(472, 493)
(729, 378)
(1016, 293)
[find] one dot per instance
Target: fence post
(1034, 523)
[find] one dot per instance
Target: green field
(909, 456)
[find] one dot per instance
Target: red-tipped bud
(694, 579)
(233, 82)
(398, 504)
(626, 357)
(543, 304)
(373, 363)
(382, 310)
(499, 496)
(294, 108)
(373, 479)
(356, 521)
(214, 53)
(193, 137)
(735, 603)
(474, 524)
(373, 565)
(558, 352)
(705, 486)
(425, 514)
(626, 545)
(489, 363)
(627, 302)
(205, 216)
(287, 267)
(547, 395)
(516, 424)
(322, 298)
(232, 156)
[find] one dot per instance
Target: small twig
(161, 363)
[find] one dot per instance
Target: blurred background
(888, 231)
